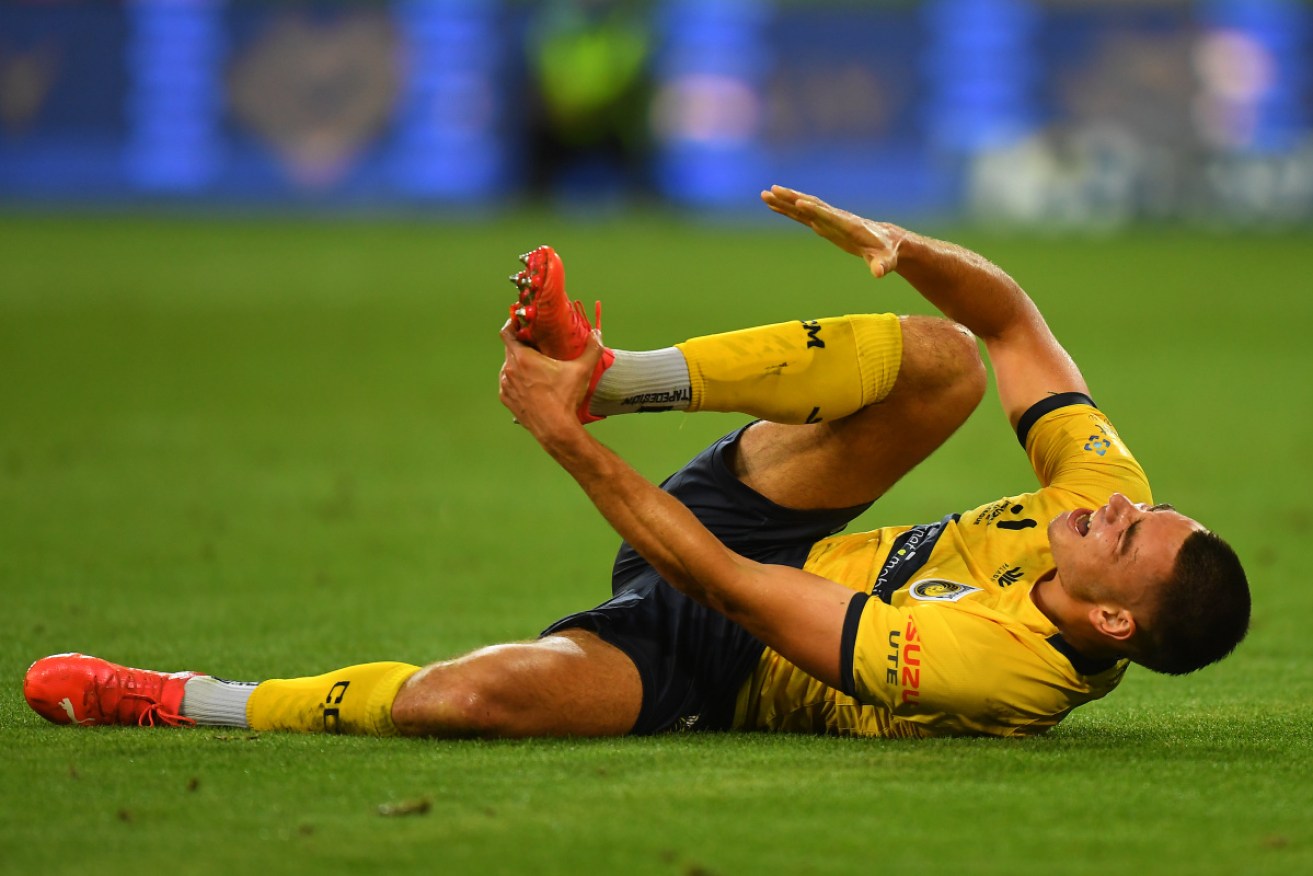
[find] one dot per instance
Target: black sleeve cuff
(848, 644)
(1044, 406)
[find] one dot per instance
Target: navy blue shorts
(693, 660)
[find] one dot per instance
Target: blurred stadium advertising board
(1033, 111)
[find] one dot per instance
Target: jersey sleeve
(1072, 444)
(948, 669)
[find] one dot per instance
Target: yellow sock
(356, 700)
(797, 372)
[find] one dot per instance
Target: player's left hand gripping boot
(546, 319)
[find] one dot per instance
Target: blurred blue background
(1037, 113)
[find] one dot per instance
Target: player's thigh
(857, 458)
(567, 684)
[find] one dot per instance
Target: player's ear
(1113, 621)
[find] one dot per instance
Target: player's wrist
(562, 436)
(910, 249)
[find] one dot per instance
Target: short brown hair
(1202, 611)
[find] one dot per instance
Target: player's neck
(1047, 594)
(1071, 617)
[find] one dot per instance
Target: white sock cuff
(214, 702)
(646, 380)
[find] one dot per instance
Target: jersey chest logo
(940, 590)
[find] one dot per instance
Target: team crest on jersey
(940, 590)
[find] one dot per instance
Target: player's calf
(805, 371)
(82, 690)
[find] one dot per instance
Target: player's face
(1117, 552)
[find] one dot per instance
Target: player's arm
(798, 614)
(1029, 363)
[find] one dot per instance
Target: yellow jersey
(943, 637)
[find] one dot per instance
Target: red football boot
(77, 689)
(547, 320)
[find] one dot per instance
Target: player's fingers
(783, 206)
(812, 202)
(592, 350)
(508, 336)
(802, 212)
(516, 350)
(823, 212)
(785, 200)
(822, 218)
(817, 213)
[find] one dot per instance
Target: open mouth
(1080, 521)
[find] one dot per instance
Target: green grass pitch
(272, 447)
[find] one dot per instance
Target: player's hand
(874, 242)
(542, 393)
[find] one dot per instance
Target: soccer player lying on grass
(735, 605)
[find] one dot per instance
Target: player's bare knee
(471, 707)
(971, 377)
(942, 356)
(451, 700)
